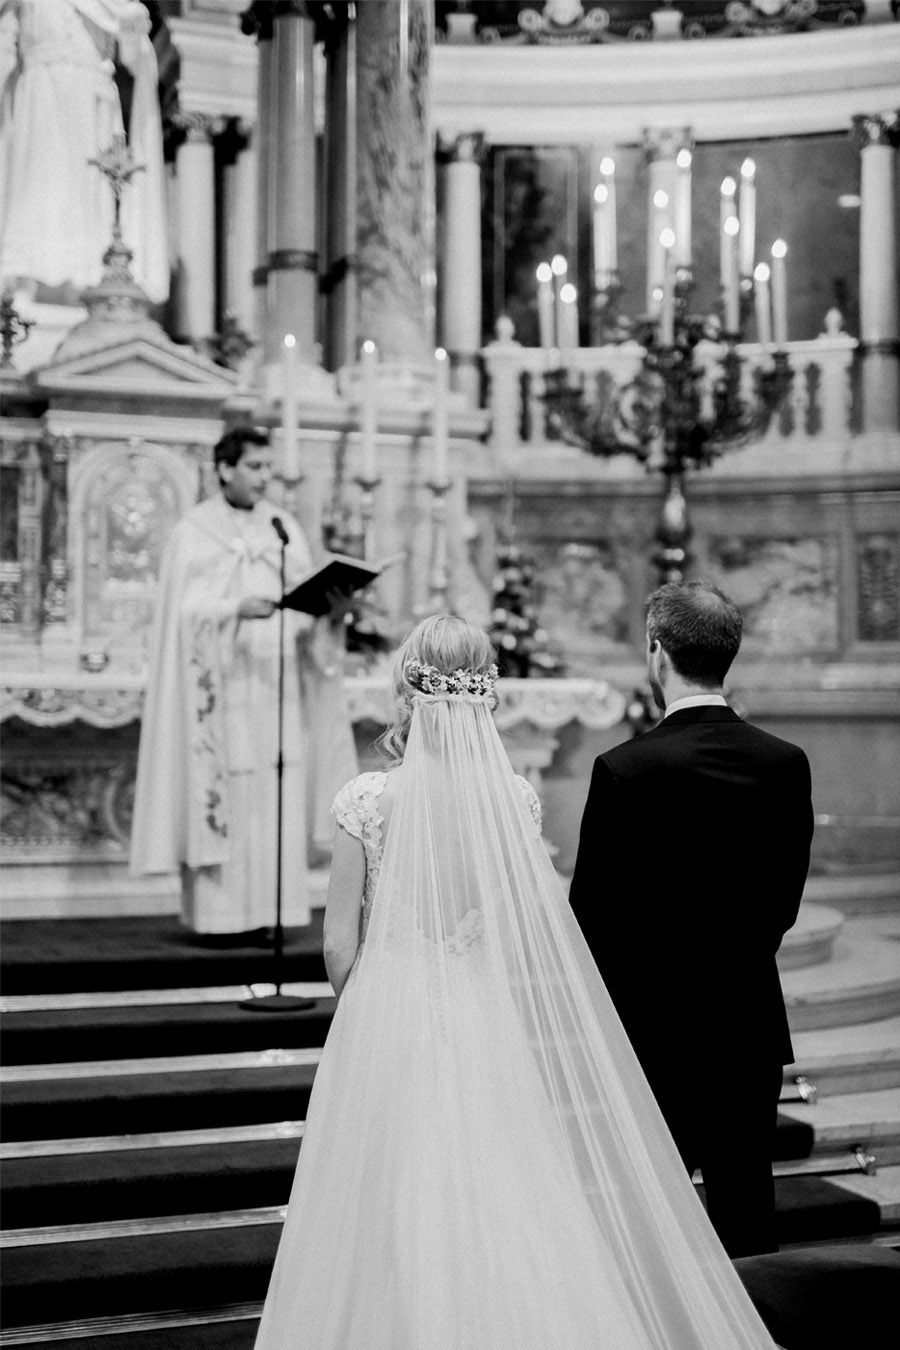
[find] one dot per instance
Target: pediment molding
(138, 364)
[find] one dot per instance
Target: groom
(693, 856)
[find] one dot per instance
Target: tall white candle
(568, 327)
(726, 211)
(560, 269)
(290, 465)
(779, 292)
(608, 181)
(732, 293)
(601, 236)
(439, 430)
(667, 310)
(546, 321)
(762, 304)
(656, 263)
(369, 422)
(747, 216)
(681, 217)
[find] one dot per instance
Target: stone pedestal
(395, 163)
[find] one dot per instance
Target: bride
(484, 1166)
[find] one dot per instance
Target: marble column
(661, 145)
(240, 210)
(395, 194)
(339, 277)
(195, 317)
(879, 329)
(459, 263)
(292, 257)
(261, 21)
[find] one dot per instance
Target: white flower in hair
(430, 680)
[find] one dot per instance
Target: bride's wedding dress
(483, 1166)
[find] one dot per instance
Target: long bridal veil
(484, 1166)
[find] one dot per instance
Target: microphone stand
(279, 1002)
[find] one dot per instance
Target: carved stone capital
(468, 148)
(665, 142)
(876, 129)
(196, 128)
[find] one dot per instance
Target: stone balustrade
(819, 402)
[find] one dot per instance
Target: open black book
(337, 573)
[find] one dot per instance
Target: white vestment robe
(206, 791)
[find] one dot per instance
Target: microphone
(278, 527)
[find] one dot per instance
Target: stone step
(861, 983)
(861, 1057)
(867, 1120)
(883, 1187)
(855, 893)
(812, 938)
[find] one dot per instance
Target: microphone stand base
(277, 1003)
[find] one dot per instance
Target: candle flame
(544, 272)
(729, 187)
(748, 168)
(762, 272)
(660, 199)
(290, 340)
(667, 238)
(601, 193)
(558, 265)
(607, 166)
(684, 159)
(440, 354)
(731, 225)
(568, 294)
(369, 346)
(779, 249)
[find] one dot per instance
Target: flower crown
(430, 680)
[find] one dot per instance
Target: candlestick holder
(608, 324)
(438, 572)
(680, 411)
(367, 488)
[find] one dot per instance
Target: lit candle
(439, 425)
(779, 292)
(369, 424)
(290, 464)
(667, 311)
(605, 238)
(560, 269)
(726, 212)
(761, 301)
(546, 323)
(682, 208)
(568, 308)
(656, 263)
(732, 293)
(747, 216)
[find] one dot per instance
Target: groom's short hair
(699, 628)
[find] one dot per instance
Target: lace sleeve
(346, 809)
(532, 801)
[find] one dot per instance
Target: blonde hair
(449, 644)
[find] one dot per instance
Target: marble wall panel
(878, 587)
(787, 588)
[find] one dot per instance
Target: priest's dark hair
(698, 627)
(234, 444)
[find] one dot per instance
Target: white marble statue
(59, 108)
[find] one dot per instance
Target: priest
(206, 792)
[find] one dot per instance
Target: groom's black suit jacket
(693, 856)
